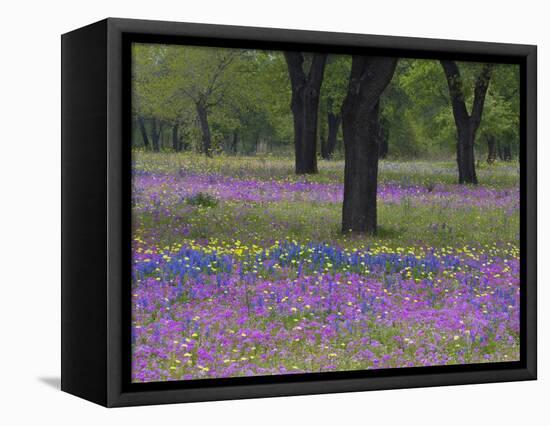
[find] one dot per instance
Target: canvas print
(303, 212)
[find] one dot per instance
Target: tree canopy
(245, 97)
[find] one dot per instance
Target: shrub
(202, 199)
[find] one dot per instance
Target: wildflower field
(240, 268)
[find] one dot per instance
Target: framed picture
(253, 212)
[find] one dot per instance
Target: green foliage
(335, 83)
(202, 199)
(501, 115)
(247, 94)
(417, 105)
(151, 82)
(419, 110)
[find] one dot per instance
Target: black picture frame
(96, 212)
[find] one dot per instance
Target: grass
(266, 167)
(399, 225)
(404, 223)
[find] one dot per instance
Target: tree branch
(454, 81)
(317, 69)
(222, 65)
(295, 61)
(369, 76)
(482, 84)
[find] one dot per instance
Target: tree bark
(234, 142)
(304, 105)
(143, 131)
(333, 121)
(156, 131)
(499, 151)
(507, 152)
(323, 138)
(383, 137)
(491, 149)
(176, 146)
(465, 154)
(360, 113)
(202, 113)
(466, 124)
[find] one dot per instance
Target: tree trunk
(333, 121)
(383, 137)
(323, 139)
(205, 130)
(155, 134)
(500, 151)
(359, 213)
(507, 152)
(304, 112)
(256, 142)
(465, 154)
(360, 113)
(304, 106)
(143, 131)
(466, 124)
(491, 149)
(234, 142)
(176, 146)
(184, 144)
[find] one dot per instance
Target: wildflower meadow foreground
(240, 269)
